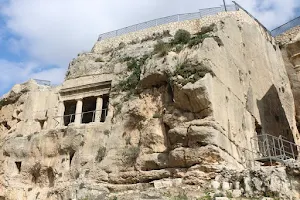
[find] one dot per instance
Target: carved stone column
(98, 112)
(61, 111)
(78, 112)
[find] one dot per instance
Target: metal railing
(42, 82)
(285, 27)
(255, 19)
(269, 148)
(90, 115)
(166, 20)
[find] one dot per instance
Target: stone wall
(288, 36)
(192, 26)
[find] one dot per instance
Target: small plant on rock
(191, 72)
(130, 83)
(161, 48)
(197, 39)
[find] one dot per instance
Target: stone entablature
(94, 89)
(98, 90)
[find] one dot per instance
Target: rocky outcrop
(181, 113)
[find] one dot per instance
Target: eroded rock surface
(179, 116)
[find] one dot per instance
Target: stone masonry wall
(192, 26)
(288, 36)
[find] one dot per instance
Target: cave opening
(19, 165)
(258, 128)
(88, 110)
(5, 124)
(71, 155)
(69, 114)
(42, 123)
(51, 176)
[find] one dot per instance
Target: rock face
(290, 52)
(152, 113)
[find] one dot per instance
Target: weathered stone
(160, 128)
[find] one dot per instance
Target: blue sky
(38, 38)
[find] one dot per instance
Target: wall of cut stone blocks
(192, 26)
(288, 36)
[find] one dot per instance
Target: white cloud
(18, 72)
(52, 32)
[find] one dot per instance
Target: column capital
(79, 99)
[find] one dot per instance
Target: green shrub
(178, 48)
(199, 38)
(2, 103)
(181, 37)
(191, 72)
(130, 154)
(207, 29)
(130, 83)
(161, 48)
(99, 60)
(156, 36)
(118, 108)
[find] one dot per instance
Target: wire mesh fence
(167, 20)
(240, 7)
(285, 27)
(85, 117)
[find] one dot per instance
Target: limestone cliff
(169, 110)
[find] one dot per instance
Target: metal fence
(285, 27)
(42, 82)
(167, 20)
(240, 7)
(271, 149)
(89, 115)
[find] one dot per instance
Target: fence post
(224, 5)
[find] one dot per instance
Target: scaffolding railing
(269, 148)
(70, 118)
(285, 27)
(166, 20)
